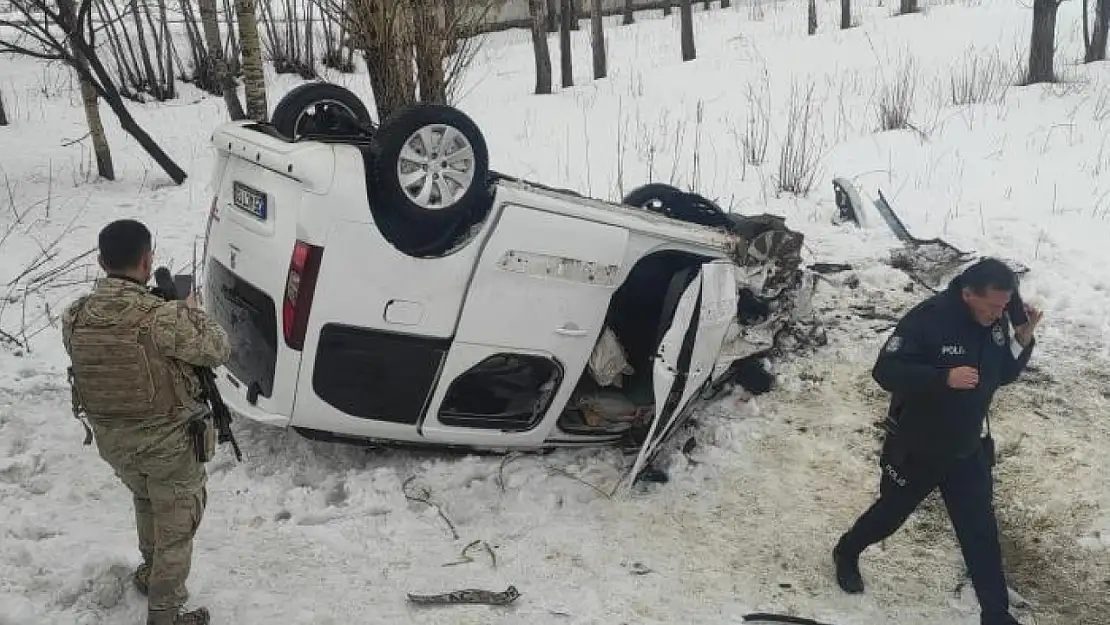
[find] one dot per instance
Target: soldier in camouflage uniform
(132, 354)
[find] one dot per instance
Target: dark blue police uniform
(934, 434)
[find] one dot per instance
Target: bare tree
(254, 79)
(209, 20)
(202, 74)
(811, 14)
(335, 40)
(597, 37)
(396, 35)
(566, 15)
(906, 7)
(431, 48)
(845, 14)
(3, 114)
(44, 33)
(552, 16)
(686, 17)
(90, 101)
(291, 49)
(1042, 42)
(538, 9)
(629, 8)
(667, 4)
(1095, 45)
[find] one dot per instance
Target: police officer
(942, 366)
(131, 354)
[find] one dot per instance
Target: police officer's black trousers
(967, 491)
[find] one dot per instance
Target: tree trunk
(148, 67)
(566, 15)
(233, 53)
(1096, 48)
(104, 167)
(552, 16)
(171, 88)
(706, 5)
(208, 20)
(3, 114)
(629, 9)
(576, 13)
(907, 7)
(812, 15)
(105, 88)
(429, 53)
(845, 14)
(725, 4)
(386, 42)
(597, 36)
(1042, 42)
(538, 9)
(452, 28)
(667, 4)
(254, 79)
(686, 13)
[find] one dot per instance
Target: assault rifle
(209, 393)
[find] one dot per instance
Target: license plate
(249, 200)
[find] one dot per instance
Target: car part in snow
(320, 109)
(468, 596)
(848, 203)
(765, 617)
(930, 262)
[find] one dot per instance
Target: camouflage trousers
(168, 486)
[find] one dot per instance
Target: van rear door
(249, 253)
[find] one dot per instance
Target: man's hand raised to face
(963, 378)
(1024, 333)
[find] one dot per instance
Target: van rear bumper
(235, 396)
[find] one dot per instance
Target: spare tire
(430, 167)
(320, 109)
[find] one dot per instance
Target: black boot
(848, 576)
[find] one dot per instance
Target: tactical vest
(117, 371)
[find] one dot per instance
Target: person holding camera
(942, 365)
(132, 357)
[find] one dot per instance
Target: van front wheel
(431, 165)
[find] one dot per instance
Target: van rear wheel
(431, 166)
(320, 108)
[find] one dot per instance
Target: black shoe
(848, 576)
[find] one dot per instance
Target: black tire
(335, 111)
(677, 204)
(653, 196)
(448, 199)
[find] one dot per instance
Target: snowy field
(313, 533)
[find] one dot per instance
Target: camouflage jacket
(132, 354)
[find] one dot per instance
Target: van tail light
(300, 284)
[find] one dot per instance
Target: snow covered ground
(320, 533)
